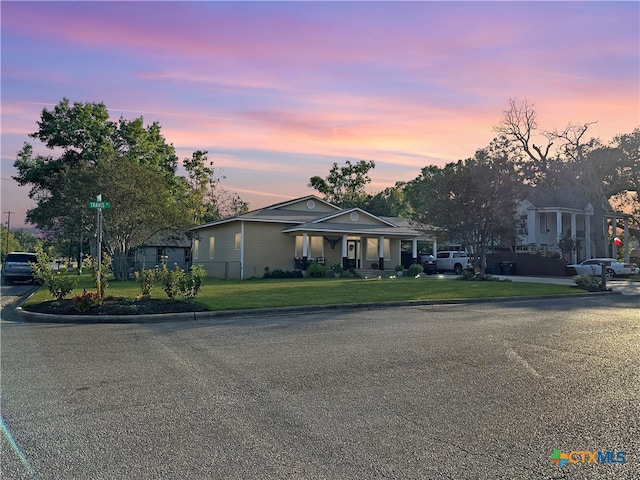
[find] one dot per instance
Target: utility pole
(8, 230)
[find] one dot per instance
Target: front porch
(354, 252)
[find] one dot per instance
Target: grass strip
(218, 295)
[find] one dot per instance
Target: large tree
(204, 194)
(473, 200)
(129, 163)
(8, 242)
(344, 186)
(141, 205)
(570, 159)
(391, 202)
(628, 196)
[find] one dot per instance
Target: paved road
(449, 391)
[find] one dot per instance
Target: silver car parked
(614, 268)
(17, 267)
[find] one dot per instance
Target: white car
(614, 268)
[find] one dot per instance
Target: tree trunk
(79, 257)
(597, 231)
(120, 266)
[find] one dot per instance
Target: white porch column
(614, 230)
(381, 252)
(531, 228)
(344, 251)
(414, 250)
(574, 253)
(587, 234)
(559, 232)
(305, 245)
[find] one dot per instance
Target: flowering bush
(146, 279)
(171, 280)
(86, 301)
(174, 282)
(189, 284)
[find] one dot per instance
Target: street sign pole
(99, 205)
(98, 279)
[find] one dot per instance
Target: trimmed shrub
(317, 270)
(337, 268)
(282, 274)
(415, 270)
(587, 282)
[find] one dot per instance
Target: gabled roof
(353, 221)
(301, 200)
(284, 212)
(541, 197)
(168, 238)
(313, 214)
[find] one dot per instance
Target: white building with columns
(548, 220)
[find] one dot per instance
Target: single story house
(289, 235)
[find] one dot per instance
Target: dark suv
(428, 262)
(16, 267)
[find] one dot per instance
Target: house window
(238, 241)
(161, 255)
(316, 247)
(544, 227)
(196, 248)
(212, 246)
(372, 249)
(521, 227)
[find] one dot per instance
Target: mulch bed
(117, 307)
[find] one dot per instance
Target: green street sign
(99, 204)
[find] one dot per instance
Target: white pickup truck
(452, 261)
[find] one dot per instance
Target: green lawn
(234, 295)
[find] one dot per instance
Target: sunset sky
(279, 91)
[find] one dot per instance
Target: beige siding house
(290, 235)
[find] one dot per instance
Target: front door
(353, 260)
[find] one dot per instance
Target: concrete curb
(17, 314)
